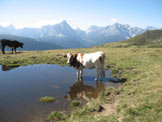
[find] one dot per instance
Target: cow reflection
(6, 68)
(83, 91)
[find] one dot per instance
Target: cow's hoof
(81, 79)
(78, 79)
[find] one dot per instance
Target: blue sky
(81, 13)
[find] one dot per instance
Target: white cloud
(4, 24)
(48, 22)
(114, 20)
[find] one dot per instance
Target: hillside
(31, 44)
(151, 39)
(148, 38)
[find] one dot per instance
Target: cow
(11, 44)
(87, 60)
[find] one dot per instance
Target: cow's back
(9, 43)
(91, 60)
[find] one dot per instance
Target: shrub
(47, 99)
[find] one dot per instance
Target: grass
(57, 117)
(138, 99)
(46, 99)
(75, 103)
(32, 57)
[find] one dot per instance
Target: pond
(21, 88)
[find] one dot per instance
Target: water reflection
(7, 68)
(79, 90)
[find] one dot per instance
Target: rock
(100, 109)
(108, 93)
(117, 92)
(33, 57)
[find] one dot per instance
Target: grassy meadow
(139, 99)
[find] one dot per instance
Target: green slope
(151, 39)
(147, 38)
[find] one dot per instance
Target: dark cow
(11, 44)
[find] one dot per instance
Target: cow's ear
(75, 55)
(65, 55)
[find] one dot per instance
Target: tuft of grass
(57, 117)
(109, 90)
(109, 118)
(75, 103)
(47, 99)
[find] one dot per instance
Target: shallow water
(21, 87)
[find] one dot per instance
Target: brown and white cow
(87, 60)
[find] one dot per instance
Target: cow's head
(71, 58)
(18, 44)
(21, 44)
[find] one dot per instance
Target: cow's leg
(81, 74)
(78, 74)
(12, 50)
(15, 50)
(3, 49)
(99, 71)
(97, 74)
(103, 71)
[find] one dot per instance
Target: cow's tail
(102, 60)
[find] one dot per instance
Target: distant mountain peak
(120, 25)
(64, 22)
(94, 27)
(117, 23)
(11, 26)
(151, 28)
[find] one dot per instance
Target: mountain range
(62, 35)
